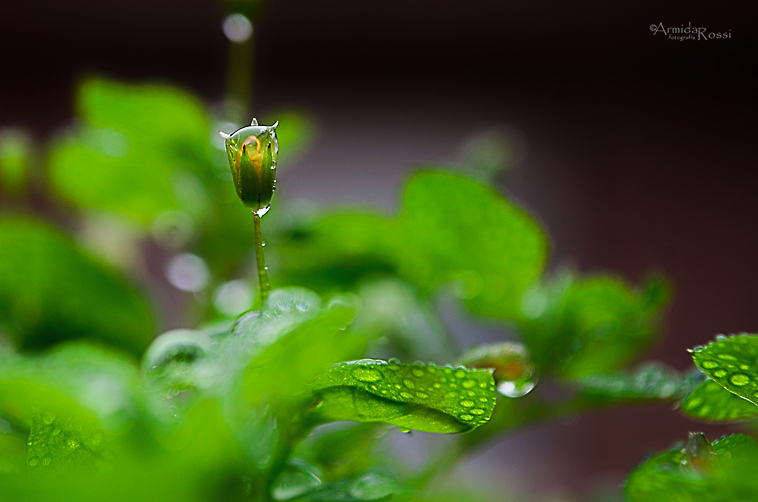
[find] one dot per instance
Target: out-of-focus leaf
(373, 485)
(732, 363)
(74, 380)
(283, 369)
(165, 116)
(338, 251)
(710, 473)
(393, 308)
(652, 381)
(295, 133)
(14, 161)
(342, 450)
(711, 402)
(595, 325)
(203, 464)
(426, 398)
(456, 229)
(142, 150)
(72, 401)
(51, 291)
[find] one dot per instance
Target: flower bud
(252, 153)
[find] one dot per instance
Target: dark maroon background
(640, 157)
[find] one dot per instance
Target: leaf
(335, 253)
(583, 326)
(652, 381)
(283, 369)
(142, 150)
(456, 229)
(713, 403)
(75, 380)
(51, 291)
(709, 473)
(393, 308)
(373, 485)
(15, 153)
(426, 398)
(732, 363)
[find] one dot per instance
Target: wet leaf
(711, 402)
(421, 397)
(731, 363)
(721, 474)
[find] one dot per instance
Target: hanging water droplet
(404, 430)
(510, 388)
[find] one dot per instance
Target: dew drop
(366, 374)
(418, 372)
(409, 383)
(406, 395)
(466, 417)
(422, 395)
(466, 403)
(468, 384)
(739, 379)
(709, 364)
(719, 373)
(476, 411)
(460, 374)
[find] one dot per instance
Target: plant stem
(262, 269)
(239, 81)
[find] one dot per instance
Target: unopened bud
(252, 153)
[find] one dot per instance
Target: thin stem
(262, 269)
(239, 80)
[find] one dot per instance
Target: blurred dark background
(640, 151)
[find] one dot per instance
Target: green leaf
(393, 308)
(652, 381)
(15, 153)
(426, 398)
(702, 472)
(713, 403)
(335, 253)
(456, 229)
(73, 379)
(142, 150)
(52, 291)
(593, 325)
(283, 369)
(732, 363)
(373, 485)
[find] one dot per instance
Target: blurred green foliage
(95, 403)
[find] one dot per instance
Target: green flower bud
(252, 153)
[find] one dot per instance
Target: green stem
(239, 81)
(262, 268)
